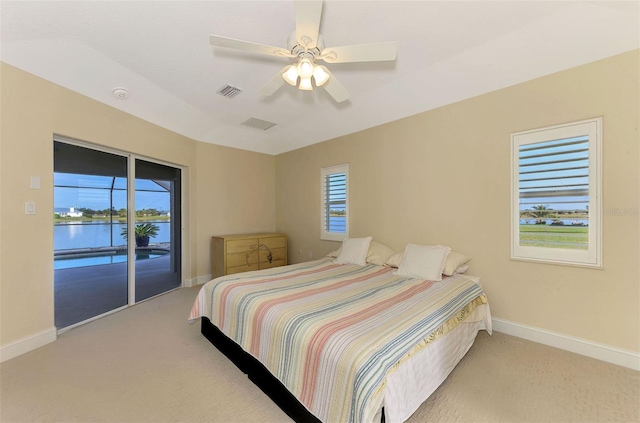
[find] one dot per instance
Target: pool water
(95, 260)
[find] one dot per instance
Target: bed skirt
(257, 373)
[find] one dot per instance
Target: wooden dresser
(241, 253)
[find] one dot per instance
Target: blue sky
(91, 191)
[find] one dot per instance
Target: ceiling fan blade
(218, 41)
(335, 88)
(308, 14)
(376, 52)
(274, 83)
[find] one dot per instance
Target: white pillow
(394, 260)
(354, 251)
(461, 269)
(423, 261)
(454, 260)
(379, 253)
(334, 254)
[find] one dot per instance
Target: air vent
(229, 91)
(263, 125)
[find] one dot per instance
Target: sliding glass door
(100, 263)
(90, 255)
(157, 217)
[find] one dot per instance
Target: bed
(338, 342)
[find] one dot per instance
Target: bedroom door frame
(184, 249)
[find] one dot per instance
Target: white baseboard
(199, 280)
(29, 343)
(580, 346)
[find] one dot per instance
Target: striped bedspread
(331, 333)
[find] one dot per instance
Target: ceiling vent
(229, 91)
(260, 124)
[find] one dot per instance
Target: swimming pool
(96, 259)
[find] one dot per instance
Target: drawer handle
(254, 248)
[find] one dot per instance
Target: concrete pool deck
(81, 293)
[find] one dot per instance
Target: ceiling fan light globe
(320, 76)
(291, 75)
(305, 84)
(305, 68)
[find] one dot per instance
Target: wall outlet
(29, 207)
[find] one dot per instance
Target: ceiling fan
(306, 47)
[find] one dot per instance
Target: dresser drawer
(274, 263)
(276, 254)
(232, 254)
(241, 245)
(239, 259)
(274, 242)
(240, 269)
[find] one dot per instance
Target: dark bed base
(257, 373)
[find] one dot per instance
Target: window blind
(553, 171)
(335, 202)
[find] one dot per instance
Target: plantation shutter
(334, 202)
(556, 201)
(555, 173)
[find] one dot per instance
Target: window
(556, 194)
(335, 203)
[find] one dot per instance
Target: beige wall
(443, 177)
(228, 190)
(244, 194)
(438, 177)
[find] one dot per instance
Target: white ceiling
(160, 52)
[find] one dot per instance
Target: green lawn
(572, 237)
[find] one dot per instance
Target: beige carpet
(147, 364)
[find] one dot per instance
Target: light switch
(29, 207)
(35, 182)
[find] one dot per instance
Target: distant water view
(568, 222)
(69, 235)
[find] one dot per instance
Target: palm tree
(540, 213)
